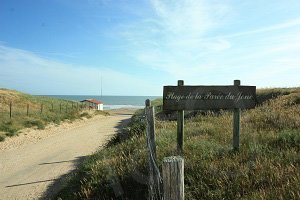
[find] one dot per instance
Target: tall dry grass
(266, 167)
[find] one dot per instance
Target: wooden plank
(173, 178)
(208, 97)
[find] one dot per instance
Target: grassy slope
(10, 127)
(267, 166)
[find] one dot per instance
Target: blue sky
(138, 46)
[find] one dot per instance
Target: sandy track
(29, 168)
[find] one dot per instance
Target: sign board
(208, 97)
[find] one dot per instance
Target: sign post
(236, 123)
(180, 125)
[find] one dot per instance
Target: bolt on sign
(208, 97)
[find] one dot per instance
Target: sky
(135, 47)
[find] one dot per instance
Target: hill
(266, 167)
(33, 111)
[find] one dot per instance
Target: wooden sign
(208, 97)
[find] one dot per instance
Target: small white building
(93, 103)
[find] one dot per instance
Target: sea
(111, 102)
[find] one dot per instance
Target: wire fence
(155, 183)
(9, 110)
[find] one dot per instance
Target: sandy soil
(32, 162)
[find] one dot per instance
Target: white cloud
(172, 38)
(276, 27)
(29, 72)
(178, 38)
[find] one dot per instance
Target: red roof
(92, 101)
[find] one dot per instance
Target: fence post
(180, 126)
(173, 178)
(10, 110)
(60, 107)
(154, 185)
(236, 123)
(41, 108)
(27, 109)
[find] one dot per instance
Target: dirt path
(28, 169)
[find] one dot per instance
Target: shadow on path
(30, 183)
(58, 183)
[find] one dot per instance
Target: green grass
(266, 167)
(53, 111)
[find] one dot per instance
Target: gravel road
(33, 169)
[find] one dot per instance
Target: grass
(266, 167)
(53, 111)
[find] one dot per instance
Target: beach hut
(93, 103)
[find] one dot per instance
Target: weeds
(267, 166)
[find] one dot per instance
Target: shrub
(85, 114)
(101, 112)
(10, 128)
(33, 122)
(2, 138)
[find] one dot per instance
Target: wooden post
(236, 123)
(173, 178)
(150, 131)
(10, 110)
(150, 117)
(27, 109)
(180, 126)
(60, 107)
(41, 108)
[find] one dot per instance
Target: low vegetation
(41, 111)
(266, 167)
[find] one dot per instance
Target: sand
(33, 163)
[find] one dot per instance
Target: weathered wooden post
(236, 123)
(173, 178)
(180, 126)
(27, 112)
(155, 181)
(10, 110)
(41, 108)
